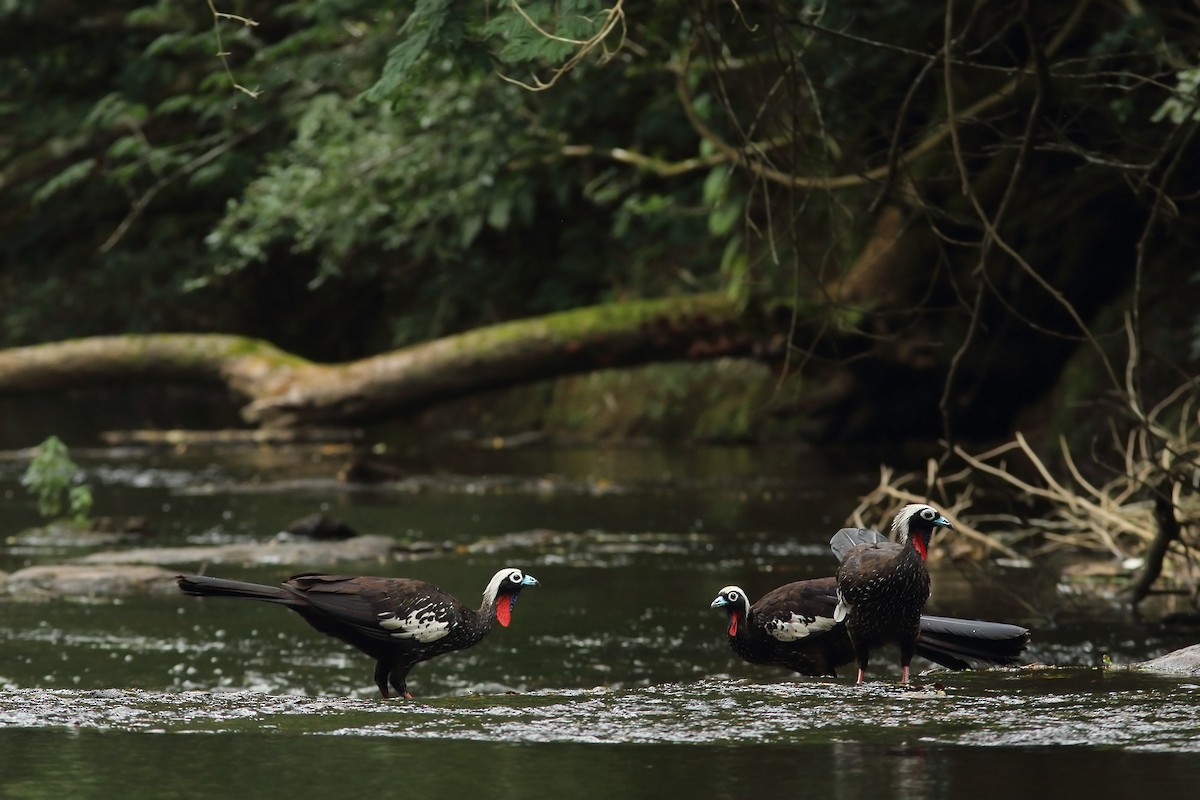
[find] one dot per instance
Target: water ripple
(1140, 713)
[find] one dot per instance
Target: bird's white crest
(739, 595)
(799, 627)
(421, 624)
(508, 574)
(900, 527)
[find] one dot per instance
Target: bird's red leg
(860, 676)
(904, 674)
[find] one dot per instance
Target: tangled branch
(1147, 513)
(955, 498)
(938, 134)
(613, 19)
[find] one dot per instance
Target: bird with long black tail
(399, 622)
(793, 627)
(882, 586)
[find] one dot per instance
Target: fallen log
(281, 389)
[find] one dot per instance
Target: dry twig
(1148, 511)
(222, 53)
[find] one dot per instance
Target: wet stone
(310, 552)
(1185, 661)
(52, 582)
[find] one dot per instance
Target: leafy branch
(613, 19)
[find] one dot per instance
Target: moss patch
(722, 400)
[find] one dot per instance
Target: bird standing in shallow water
(882, 586)
(399, 622)
(790, 627)
(793, 627)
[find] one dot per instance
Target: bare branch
(143, 202)
(935, 137)
(222, 53)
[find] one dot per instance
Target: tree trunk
(1169, 531)
(284, 390)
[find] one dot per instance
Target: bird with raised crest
(793, 627)
(882, 585)
(399, 622)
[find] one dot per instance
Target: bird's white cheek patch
(421, 625)
(798, 627)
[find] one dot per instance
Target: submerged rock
(97, 532)
(1185, 661)
(56, 581)
(153, 569)
(368, 470)
(319, 526)
(312, 553)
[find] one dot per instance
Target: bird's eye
(733, 596)
(515, 577)
(927, 514)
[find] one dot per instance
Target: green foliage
(717, 401)
(428, 22)
(545, 33)
(384, 162)
(1184, 105)
(359, 178)
(388, 183)
(53, 479)
(63, 181)
(96, 166)
(446, 182)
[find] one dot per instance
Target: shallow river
(614, 679)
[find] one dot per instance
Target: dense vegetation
(975, 188)
(343, 208)
(981, 215)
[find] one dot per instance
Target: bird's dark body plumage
(399, 622)
(882, 585)
(790, 627)
(793, 627)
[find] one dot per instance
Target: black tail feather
(970, 643)
(203, 586)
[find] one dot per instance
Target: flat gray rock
(1185, 661)
(55, 581)
(310, 553)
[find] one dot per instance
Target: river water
(614, 679)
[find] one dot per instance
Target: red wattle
(919, 544)
(733, 623)
(504, 610)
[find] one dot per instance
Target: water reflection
(46, 764)
(900, 771)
